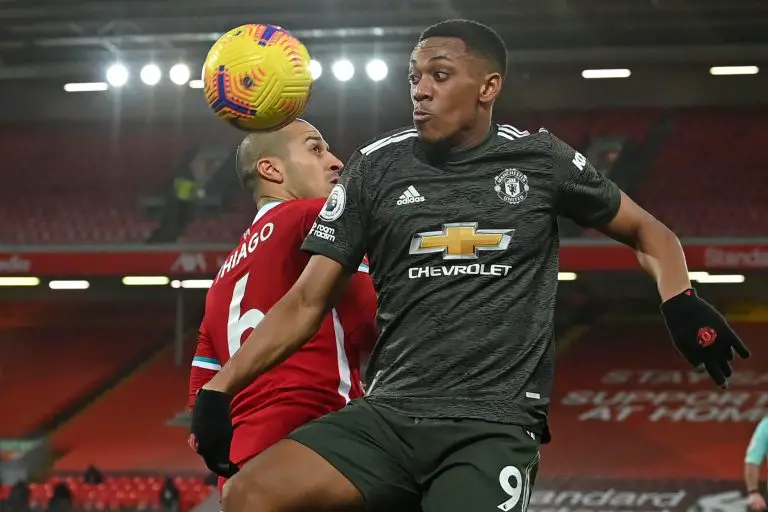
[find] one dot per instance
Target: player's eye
(413, 79)
(317, 149)
(440, 76)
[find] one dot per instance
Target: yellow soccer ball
(257, 77)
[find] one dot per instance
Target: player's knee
(241, 494)
(225, 489)
(235, 495)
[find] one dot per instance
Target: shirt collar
(264, 209)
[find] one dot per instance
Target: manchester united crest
(511, 186)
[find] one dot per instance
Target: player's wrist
(670, 291)
(217, 384)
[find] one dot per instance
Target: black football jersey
(463, 252)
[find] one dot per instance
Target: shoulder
(542, 144)
(294, 210)
(510, 135)
(394, 140)
(306, 206)
(378, 154)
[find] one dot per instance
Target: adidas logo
(410, 196)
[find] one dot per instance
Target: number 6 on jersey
(237, 324)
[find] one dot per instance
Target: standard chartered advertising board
(599, 495)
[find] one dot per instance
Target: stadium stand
(57, 355)
(715, 152)
(623, 385)
(149, 441)
(83, 184)
(95, 380)
(715, 165)
(226, 227)
(577, 126)
(118, 492)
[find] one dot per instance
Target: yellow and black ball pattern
(257, 77)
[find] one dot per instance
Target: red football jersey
(319, 378)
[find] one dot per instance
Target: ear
(270, 169)
(490, 88)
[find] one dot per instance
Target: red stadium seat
(118, 493)
(147, 442)
(83, 184)
(708, 178)
(677, 423)
(44, 342)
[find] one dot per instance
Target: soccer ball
(257, 77)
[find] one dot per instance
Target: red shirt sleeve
(205, 364)
(309, 215)
(358, 310)
(358, 306)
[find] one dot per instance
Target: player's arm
(658, 249)
(357, 307)
(699, 332)
(205, 364)
(286, 327)
(592, 200)
(337, 241)
(757, 451)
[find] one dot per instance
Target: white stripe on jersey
(386, 141)
(502, 134)
(206, 365)
(345, 374)
(508, 128)
(510, 132)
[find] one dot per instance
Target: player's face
(446, 84)
(311, 170)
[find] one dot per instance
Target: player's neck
(460, 148)
(265, 200)
(472, 138)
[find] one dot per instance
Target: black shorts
(436, 465)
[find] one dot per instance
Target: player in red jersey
(290, 172)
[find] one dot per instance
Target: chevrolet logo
(461, 241)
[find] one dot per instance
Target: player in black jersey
(458, 216)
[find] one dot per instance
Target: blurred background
(118, 203)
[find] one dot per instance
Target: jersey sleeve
(205, 364)
(340, 229)
(582, 193)
(757, 451)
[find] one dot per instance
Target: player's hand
(212, 431)
(756, 501)
(702, 335)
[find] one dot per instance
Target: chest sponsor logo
(460, 241)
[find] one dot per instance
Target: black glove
(702, 335)
(212, 431)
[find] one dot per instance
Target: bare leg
(289, 477)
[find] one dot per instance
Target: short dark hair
(255, 146)
(480, 39)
